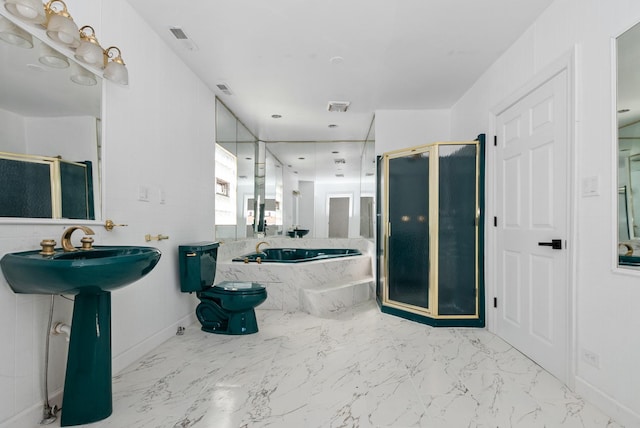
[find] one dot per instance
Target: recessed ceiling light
(333, 125)
(624, 110)
(335, 152)
(276, 116)
(301, 158)
(248, 158)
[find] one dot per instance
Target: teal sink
(91, 275)
(104, 268)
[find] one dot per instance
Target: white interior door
(339, 217)
(532, 205)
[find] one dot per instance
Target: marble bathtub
(321, 288)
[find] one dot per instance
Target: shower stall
(430, 234)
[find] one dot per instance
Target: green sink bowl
(104, 268)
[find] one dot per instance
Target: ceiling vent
(224, 88)
(339, 106)
(339, 175)
(184, 40)
(339, 161)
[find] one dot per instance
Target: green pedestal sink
(90, 275)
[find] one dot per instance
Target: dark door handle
(556, 244)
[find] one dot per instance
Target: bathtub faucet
(260, 243)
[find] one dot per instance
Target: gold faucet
(629, 248)
(86, 240)
(260, 243)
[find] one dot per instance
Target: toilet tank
(197, 265)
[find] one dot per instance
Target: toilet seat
(234, 288)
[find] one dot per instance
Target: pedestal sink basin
(104, 268)
(90, 275)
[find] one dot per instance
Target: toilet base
(237, 323)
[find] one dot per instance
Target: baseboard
(620, 413)
(124, 359)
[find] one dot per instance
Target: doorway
(532, 205)
(339, 208)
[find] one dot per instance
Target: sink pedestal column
(87, 388)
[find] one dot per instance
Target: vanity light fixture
(90, 51)
(115, 69)
(14, 35)
(51, 57)
(80, 76)
(60, 25)
(31, 11)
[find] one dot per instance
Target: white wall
(12, 132)
(73, 138)
(397, 129)
(159, 132)
(606, 299)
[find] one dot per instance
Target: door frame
(566, 62)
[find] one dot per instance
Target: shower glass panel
(457, 230)
(408, 255)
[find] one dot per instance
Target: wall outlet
(591, 358)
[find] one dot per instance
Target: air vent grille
(178, 33)
(224, 88)
(183, 39)
(340, 161)
(338, 106)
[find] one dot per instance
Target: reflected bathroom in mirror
(50, 128)
(628, 124)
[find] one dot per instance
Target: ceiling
(292, 57)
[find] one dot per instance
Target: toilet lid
(239, 286)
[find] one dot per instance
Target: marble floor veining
(361, 369)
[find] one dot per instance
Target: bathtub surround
(318, 287)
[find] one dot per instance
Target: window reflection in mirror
(628, 118)
(237, 144)
(48, 121)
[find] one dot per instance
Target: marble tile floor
(361, 369)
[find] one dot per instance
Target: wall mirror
(50, 128)
(235, 158)
(628, 124)
(325, 188)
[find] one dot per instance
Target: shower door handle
(556, 244)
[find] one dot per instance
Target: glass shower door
(408, 251)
